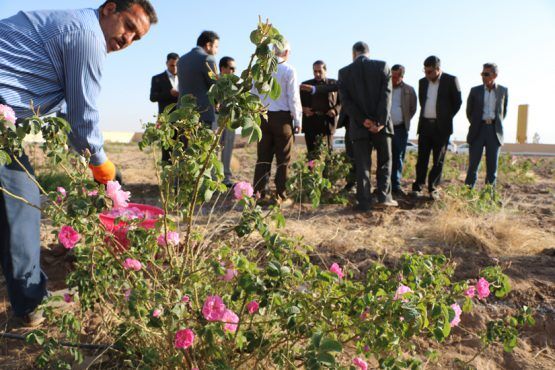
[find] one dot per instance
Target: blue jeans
(488, 139)
(399, 149)
(20, 238)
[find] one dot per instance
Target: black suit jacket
(328, 88)
(475, 110)
(193, 72)
(448, 102)
(160, 88)
(365, 92)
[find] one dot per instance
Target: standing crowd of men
(69, 47)
(370, 100)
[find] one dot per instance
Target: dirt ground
(519, 237)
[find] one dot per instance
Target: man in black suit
(365, 91)
(439, 95)
(193, 71)
(164, 90)
(486, 109)
(320, 109)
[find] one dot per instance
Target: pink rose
(214, 308)
(483, 288)
(229, 275)
(171, 237)
(62, 191)
(68, 298)
(157, 313)
(470, 292)
(185, 299)
(7, 113)
(132, 264)
(68, 237)
(457, 319)
(92, 193)
(242, 189)
(184, 338)
(337, 270)
(402, 290)
(118, 196)
(252, 307)
(311, 164)
(360, 363)
(231, 320)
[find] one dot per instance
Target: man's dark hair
(400, 68)
(122, 5)
(320, 63)
(491, 66)
(224, 62)
(432, 61)
(361, 47)
(172, 56)
(206, 37)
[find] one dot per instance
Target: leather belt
(488, 121)
(432, 120)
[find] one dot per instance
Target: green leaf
(4, 158)
(330, 345)
(275, 91)
(326, 359)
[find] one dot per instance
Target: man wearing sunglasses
(486, 109)
(227, 67)
(440, 100)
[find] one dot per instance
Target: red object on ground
(151, 216)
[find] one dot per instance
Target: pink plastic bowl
(152, 214)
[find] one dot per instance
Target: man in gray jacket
(486, 109)
(403, 108)
(365, 91)
(193, 71)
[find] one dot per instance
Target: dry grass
(500, 233)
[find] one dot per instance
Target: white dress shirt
(431, 99)
(396, 108)
(290, 99)
(173, 80)
(489, 104)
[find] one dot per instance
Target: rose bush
(183, 295)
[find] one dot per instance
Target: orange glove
(105, 172)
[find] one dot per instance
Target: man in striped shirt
(50, 59)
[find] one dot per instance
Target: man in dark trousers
(365, 91)
(440, 100)
(403, 108)
(193, 71)
(164, 90)
(320, 109)
(486, 109)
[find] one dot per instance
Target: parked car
(462, 149)
(412, 147)
(339, 143)
(452, 147)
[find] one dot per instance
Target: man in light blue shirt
(48, 59)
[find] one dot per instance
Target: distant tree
(536, 138)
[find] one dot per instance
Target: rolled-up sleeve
(83, 55)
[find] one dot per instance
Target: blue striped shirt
(49, 58)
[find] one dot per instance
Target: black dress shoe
(399, 192)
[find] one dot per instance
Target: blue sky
(519, 36)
